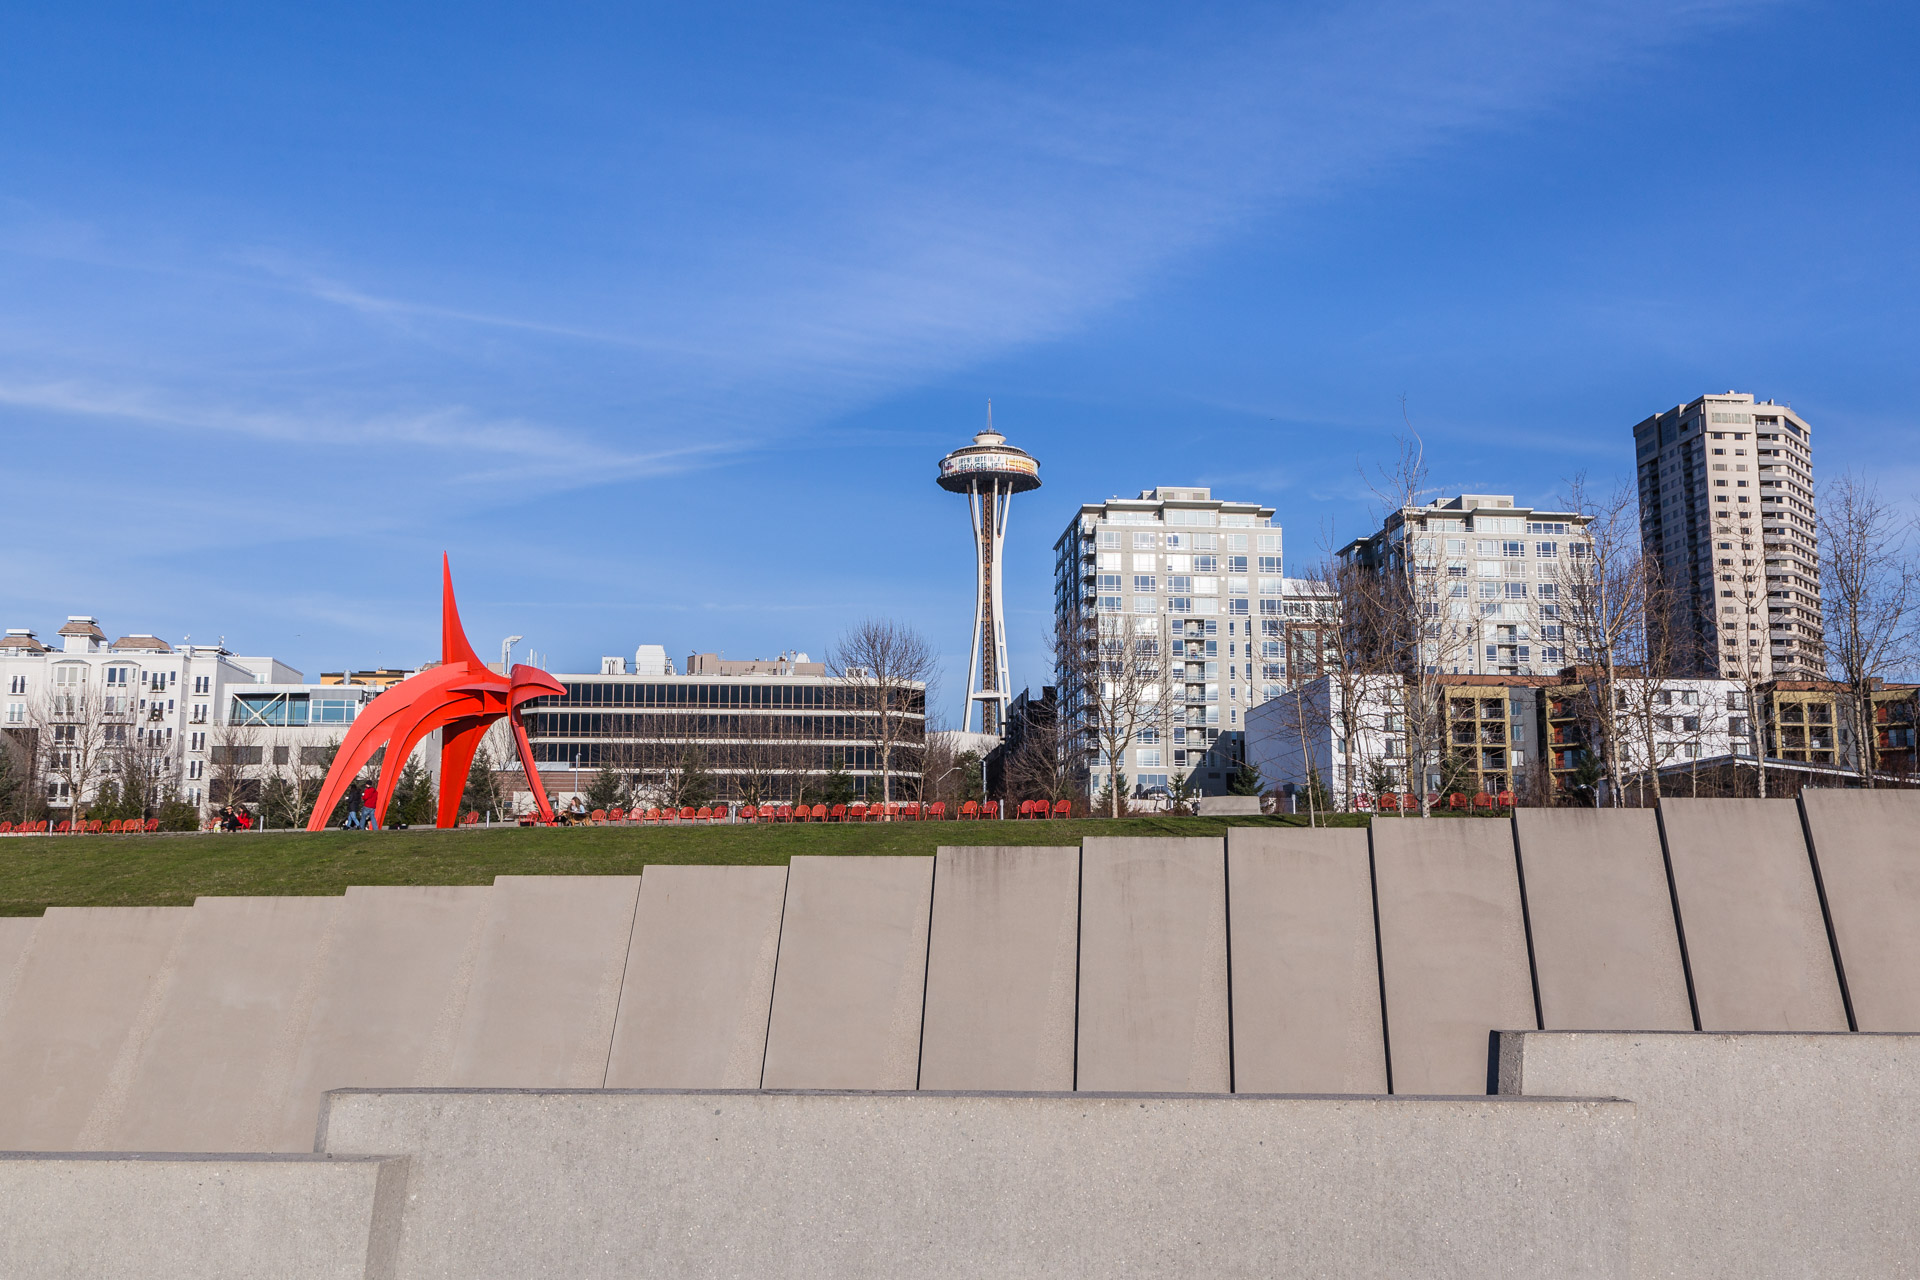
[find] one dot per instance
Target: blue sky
(658, 319)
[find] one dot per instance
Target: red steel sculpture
(461, 697)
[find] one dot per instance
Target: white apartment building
(180, 706)
(1540, 722)
(1202, 579)
(1727, 506)
(1497, 568)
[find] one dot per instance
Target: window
(1206, 564)
(202, 684)
(119, 675)
(1179, 583)
(16, 712)
(1236, 564)
(1516, 590)
(1143, 563)
(1206, 586)
(1270, 564)
(1109, 582)
(1546, 550)
(1110, 604)
(1513, 549)
(17, 685)
(1143, 541)
(1144, 582)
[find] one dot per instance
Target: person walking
(354, 821)
(367, 799)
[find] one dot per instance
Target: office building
(1727, 507)
(754, 730)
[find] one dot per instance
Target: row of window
(743, 694)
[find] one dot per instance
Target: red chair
(857, 811)
(837, 814)
(749, 813)
(1456, 802)
(1505, 799)
(1433, 799)
(709, 812)
(1389, 802)
(991, 809)
(970, 810)
(688, 813)
(820, 813)
(61, 827)
(616, 815)
(153, 824)
(6, 827)
(938, 810)
(1483, 801)
(1063, 808)
(784, 813)
(470, 819)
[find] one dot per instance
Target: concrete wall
(1750, 916)
(1002, 969)
(1866, 847)
(1758, 1155)
(1453, 949)
(1133, 965)
(1306, 975)
(207, 1072)
(699, 979)
(1605, 947)
(390, 993)
(850, 983)
(1153, 966)
(540, 1005)
(109, 1217)
(82, 987)
(950, 1185)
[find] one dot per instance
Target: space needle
(989, 471)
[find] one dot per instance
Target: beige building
(1727, 505)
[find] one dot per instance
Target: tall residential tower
(989, 471)
(1727, 506)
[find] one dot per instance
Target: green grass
(38, 872)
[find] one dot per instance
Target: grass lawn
(37, 872)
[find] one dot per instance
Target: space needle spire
(989, 471)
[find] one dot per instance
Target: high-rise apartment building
(1727, 506)
(1195, 586)
(1497, 568)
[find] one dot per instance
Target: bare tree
(1119, 676)
(1405, 618)
(1603, 602)
(1040, 766)
(236, 751)
(885, 667)
(1361, 707)
(1870, 599)
(79, 727)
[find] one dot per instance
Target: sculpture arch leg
(458, 743)
(532, 769)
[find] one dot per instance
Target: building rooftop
(21, 639)
(83, 625)
(141, 642)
